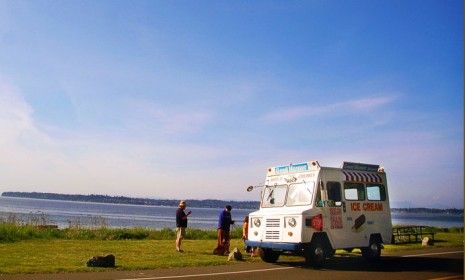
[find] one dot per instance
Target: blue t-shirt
(225, 220)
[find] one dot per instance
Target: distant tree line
(451, 211)
(206, 203)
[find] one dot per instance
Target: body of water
(66, 213)
(427, 219)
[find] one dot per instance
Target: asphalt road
(434, 263)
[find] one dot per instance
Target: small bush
(163, 234)
(14, 232)
(79, 233)
(451, 230)
(236, 233)
(193, 233)
(8, 233)
(129, 233)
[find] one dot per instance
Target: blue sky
(195, 99)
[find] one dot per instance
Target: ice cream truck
(312, 210)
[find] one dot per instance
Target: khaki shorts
(180, 232)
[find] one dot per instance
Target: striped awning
(363, 177)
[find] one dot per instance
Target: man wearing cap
(181, 224)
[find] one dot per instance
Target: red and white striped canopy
(363, 177)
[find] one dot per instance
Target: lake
(66, 213)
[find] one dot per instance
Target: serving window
(354, 191)
(376, 192)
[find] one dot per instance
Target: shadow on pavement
(386, 264)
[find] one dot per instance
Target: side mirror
(250, 188)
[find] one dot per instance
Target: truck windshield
(297, 194)
(300, 194)
(274, 196)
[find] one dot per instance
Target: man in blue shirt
(224, 225)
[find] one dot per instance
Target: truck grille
(272, 223)
(273, 229)
(272, 235)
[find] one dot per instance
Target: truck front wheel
(269, 255)
(315, 254)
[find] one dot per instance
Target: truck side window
(354, 191)
(376, 192)
(334, 193)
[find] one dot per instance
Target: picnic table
(409, 234)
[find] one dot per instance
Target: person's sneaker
(180, 250)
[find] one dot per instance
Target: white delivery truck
(311, 210)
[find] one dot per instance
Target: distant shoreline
(206, 203)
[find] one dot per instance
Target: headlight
(291, 222)
(257, 222)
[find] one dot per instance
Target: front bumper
(280, 246)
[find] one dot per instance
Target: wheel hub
(319, 252)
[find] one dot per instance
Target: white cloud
(102, 163)
(15, 113)
(341, 108)
(168, 119)
(368, 103)
(86, 162)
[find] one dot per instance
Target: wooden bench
(409, 234)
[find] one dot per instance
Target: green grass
(37, 256)
(58, 255)
(28, 249)
(441, 239)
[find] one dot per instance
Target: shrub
(8, 233)
(163, 234)
(127, 233)
(193, 233)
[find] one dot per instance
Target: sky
(196, 99)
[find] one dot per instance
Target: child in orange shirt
(245, 233)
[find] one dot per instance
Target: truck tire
(269, 255)
(318, 250)
(372, 252)
(315, 254)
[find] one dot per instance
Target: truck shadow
(387, 264)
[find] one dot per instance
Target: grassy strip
(441, 239)
(36, 256)
(10, 232)
(58, 255)
(23, 250)
(13, 232)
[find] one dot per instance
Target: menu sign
(360, 166)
